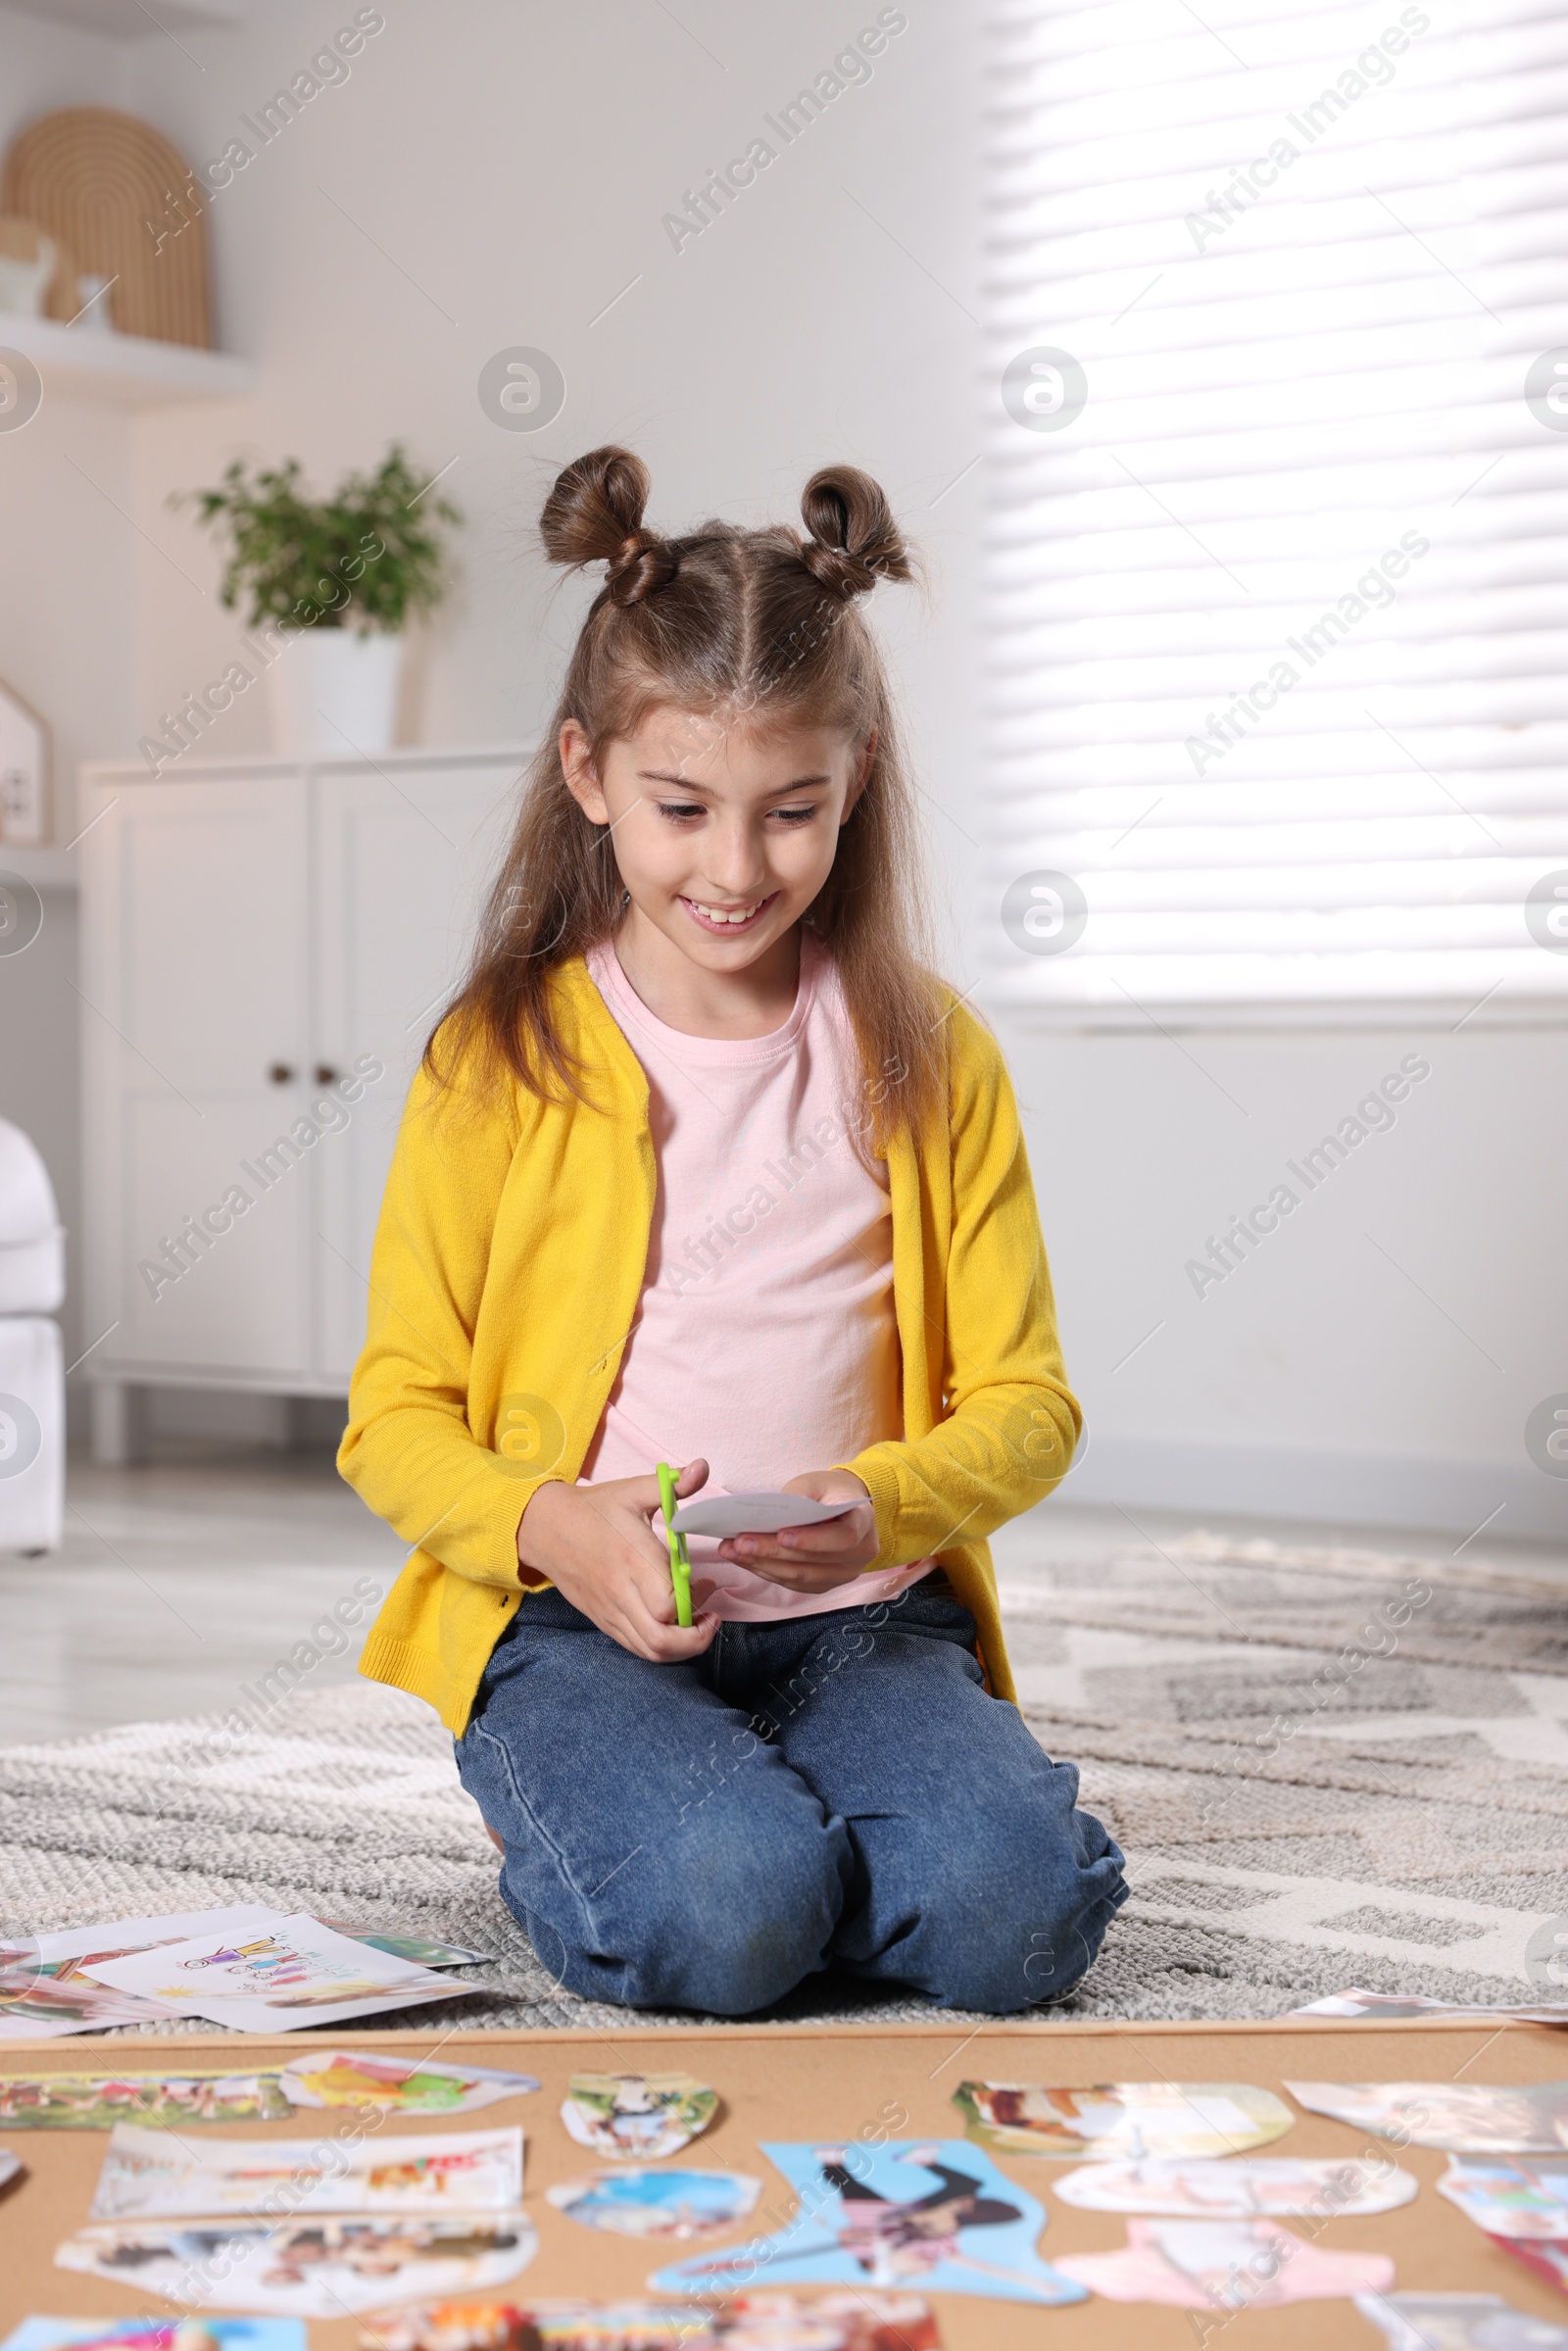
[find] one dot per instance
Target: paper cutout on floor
(1388, 2007)
(312, 2268)
(158, 2173)
(1224, 2265)
(273, 1979)
(637, 2117)
(1464, 2118)
(857, 2322)
(1200, 2187)
(932, 2213)
(1121, 2119)
(44, 1994)
(404, 2086)
(1547, 2256)
(164, 2100)
(1509, 2198)
(658, 2204)
(1458, 2323)
(156, 2334)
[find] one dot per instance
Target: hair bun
(594, 514)
(854, 540)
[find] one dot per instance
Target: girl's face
(723, 832)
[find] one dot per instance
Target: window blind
(1278, 504)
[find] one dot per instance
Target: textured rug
(1325, 1768)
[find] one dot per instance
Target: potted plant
(341, 575)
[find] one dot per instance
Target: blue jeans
(833, 1788)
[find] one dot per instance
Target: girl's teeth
(714, 916)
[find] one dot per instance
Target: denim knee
(1019, 1915)
(722, 1922)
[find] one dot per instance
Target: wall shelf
(125, 370)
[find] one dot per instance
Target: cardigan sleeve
(1009, 1422)
(409, 1451)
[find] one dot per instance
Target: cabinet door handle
(283, 1073)
(326, 1074)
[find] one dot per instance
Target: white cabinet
(265, 946)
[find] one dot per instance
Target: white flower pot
(334, 692)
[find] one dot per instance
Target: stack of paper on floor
(307, 2228)
(1458, 2323)
(271, 1974)
(55, 1983)
(1388, 2006)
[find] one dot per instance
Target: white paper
(160, 2174)
(274, 1977)
(1238, 2187)
(719, 1515)
(319, 2269)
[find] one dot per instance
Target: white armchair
(32, 1388)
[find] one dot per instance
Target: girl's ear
(582, 777)
(859, 776)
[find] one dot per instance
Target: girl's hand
(813, 1558)
(597, 1544)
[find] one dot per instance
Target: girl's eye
(679, 809)
(794, 816)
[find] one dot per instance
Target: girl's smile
(727, 920)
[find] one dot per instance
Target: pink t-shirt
(766, 1340)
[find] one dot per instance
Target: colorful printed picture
(1200, 2187)
(1465, 2118)
(658, 2204)
(1127, 2119)
(321, 2269)
(857, 2322)
(1547, 2256)
(157, 2334)
(404, 2086)
(40, 1999)
(44, 1994)
(273, 1979)
(636, 2117)
(1516, 2198)
(1458, 2323)
(150, 2174)
(1225, 2265)
(933, 2213)
(96, 2102)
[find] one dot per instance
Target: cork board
(117, 197)
(793, 2082)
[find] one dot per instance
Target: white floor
(184, 1579)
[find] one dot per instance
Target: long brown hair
(751, 627)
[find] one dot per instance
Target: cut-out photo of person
(935, 2214)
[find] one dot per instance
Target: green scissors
(680, 1565)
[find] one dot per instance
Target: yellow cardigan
(504, 1283)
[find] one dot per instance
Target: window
(1277, 644)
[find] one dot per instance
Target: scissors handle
(680, 1566)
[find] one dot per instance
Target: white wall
(505, 169)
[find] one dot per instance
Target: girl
(704, 1166)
